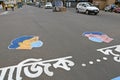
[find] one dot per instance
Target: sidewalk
(1, 10)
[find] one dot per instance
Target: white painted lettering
(109, 50)
(33, 68)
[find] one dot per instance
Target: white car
(87, 7)
(48, 5)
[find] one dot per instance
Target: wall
(102, 3)
(110, 2)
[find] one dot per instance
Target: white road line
(104, 58)
(4, 13)
(83, 65)
(97, 60)
(91, 62)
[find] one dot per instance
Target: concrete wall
(102, 3)
(110, 2)
(99, 3)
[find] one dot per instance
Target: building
(2, 3)
(103, 3)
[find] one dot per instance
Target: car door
(83, 7)
(79, 7)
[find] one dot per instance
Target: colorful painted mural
(97, 37)
(117, 78)
(25, 42)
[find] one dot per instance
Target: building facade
(103, 3)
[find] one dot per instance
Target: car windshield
(89, 4)
(48, 3)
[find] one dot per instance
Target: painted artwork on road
(97, 37)
(117, 78)
(111, 50)
(34, 68)
(4, 13)
(25, 42)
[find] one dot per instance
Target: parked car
(87, 7)
(48, 5)
(117, 10)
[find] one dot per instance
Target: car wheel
(87, 12)
(105, 10)
(95, 13)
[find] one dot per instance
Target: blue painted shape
(37, 44)
(117, 78)
(95, 39)
(94, 32)
(19, 43)
(15, 43)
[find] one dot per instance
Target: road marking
(104, 58)
(91, 62)
(112, 50)
(97, 37)
(117, 78)
(34, 68)
(25, 42)
(83, 65)
(4, 13)
(97, 60)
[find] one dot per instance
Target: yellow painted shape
(26, 44)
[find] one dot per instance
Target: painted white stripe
(104, 58)
(91, 62)
(98, 60)
(3, 13)
(83, 65)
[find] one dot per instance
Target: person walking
(6, 7)
(39, 5)
(12, 7)
(1, 7)
(112, 7)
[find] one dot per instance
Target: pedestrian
(112, 7)
(1, 7)
(12, 7)
(39, 5)
(6, 7)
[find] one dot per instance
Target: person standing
(1, 7)
(39, 5)
(6, 7)
(112, 7)
(12, 7)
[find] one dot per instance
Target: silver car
(48, 5)
(87, 7)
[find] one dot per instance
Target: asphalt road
(61, 34)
